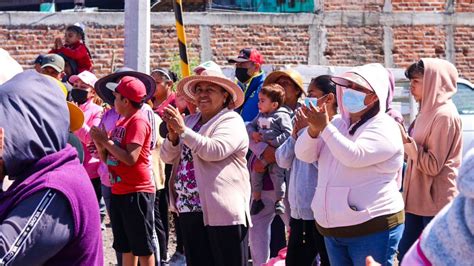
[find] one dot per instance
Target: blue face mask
(353, 100)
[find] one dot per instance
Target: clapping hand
(175, 123)
(404, 133)
(99, 135)
(300, 122)
(58, 43)
(317, 118)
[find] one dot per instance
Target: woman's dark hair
(365, 117)
(80, 31)
(170, 75)
(325, 84)
(415, 69)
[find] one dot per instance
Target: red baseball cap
(247, 54)
(129, 87)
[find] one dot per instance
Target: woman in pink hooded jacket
(433, 147)
(83, 95)
(357, 206)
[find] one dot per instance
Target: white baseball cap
(86, 77)
(207, 66)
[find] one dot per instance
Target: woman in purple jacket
(47, 215)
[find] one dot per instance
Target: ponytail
(365, 117)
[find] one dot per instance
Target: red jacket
(77, 52)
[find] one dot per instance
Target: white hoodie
(357, 174)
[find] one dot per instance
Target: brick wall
(278, 44)
(103, 42)
(25, 43)
(354, 45)
(366, 5)
(414, 42)
(464, 47)
(416, 5)
(464, 5)
(164, 45)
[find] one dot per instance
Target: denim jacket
(302, 181)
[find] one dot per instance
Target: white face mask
(353, 101)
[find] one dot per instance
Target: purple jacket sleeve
(36, 229)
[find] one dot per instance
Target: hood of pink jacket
(439, 86)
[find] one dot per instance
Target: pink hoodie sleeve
(93, 120)
(432, 159)
(415, 256)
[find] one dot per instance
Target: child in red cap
(126, 154)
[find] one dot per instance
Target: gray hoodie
(34, 118)
(275, 127)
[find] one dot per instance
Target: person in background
(47, 215)
(38, 62)
(430, 181)
(83, 95)
(70, 68)
(203, 68)
(74, 47)
(305, 242)
(357, 206)
(53, 66)
(250, 79)
(164, 95)
(268, 236)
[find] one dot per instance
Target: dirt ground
(109, 253)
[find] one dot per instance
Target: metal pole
(183, 54)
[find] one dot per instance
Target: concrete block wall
(395, 33)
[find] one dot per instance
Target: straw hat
(106, 94)
(294, 75)
(187, 86)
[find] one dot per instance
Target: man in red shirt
(127, 154)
